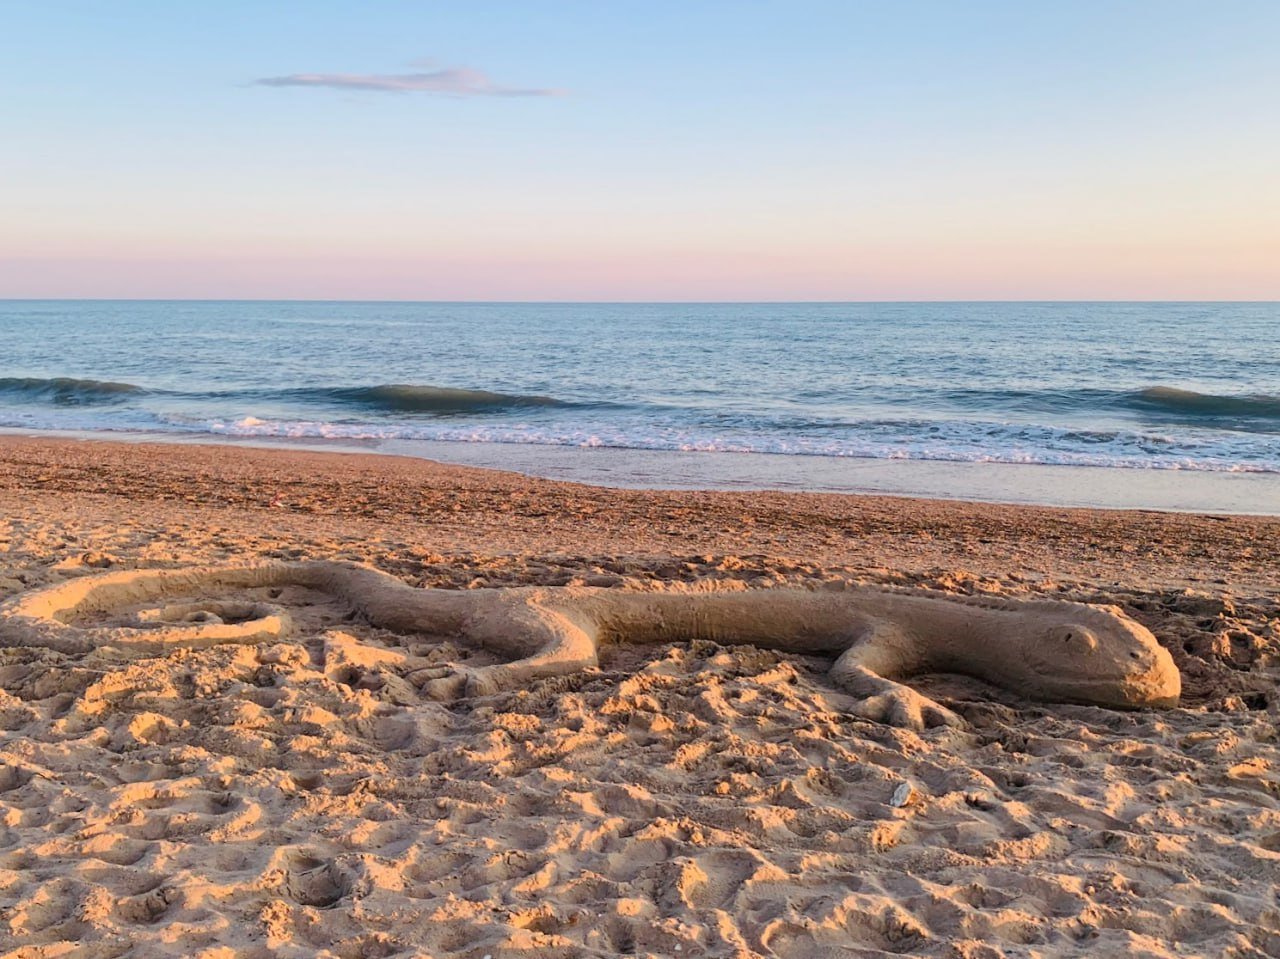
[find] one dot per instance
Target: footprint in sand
(310, 881)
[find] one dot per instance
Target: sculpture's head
(1098, 655)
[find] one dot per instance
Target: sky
(683, 150)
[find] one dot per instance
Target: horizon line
(628, 302)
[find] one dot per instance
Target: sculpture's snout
(1160, 687)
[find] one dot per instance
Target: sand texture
(301, 793)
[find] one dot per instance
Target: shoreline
(1022, 484)
(506, 511)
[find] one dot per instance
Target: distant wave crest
(407, 398)
(387, 397)
(1166, 402)
(66, 391)
(1168, 399)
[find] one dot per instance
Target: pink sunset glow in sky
(829, 151)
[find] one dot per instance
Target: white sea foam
(950, 441)
(963, 442)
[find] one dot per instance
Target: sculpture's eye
(1080, 640)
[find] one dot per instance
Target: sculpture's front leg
(859, 672)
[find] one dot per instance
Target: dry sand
(298, 798)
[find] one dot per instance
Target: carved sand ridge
(1045, 650)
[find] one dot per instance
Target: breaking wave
(408, 398)
(388, 397)
(66, 391)
(1168, 399)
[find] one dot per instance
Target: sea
(1160, 405)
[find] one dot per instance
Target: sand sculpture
(1046, 650)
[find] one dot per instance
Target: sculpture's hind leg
(563, 647)
(858, 671)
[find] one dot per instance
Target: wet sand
(298, 798)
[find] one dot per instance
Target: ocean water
(1138, 387)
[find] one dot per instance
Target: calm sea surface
(1139, 387)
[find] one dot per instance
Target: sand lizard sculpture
(1043, 649)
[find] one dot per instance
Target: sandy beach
(302, 798)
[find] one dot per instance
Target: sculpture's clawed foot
(445, 684)
(906, 709)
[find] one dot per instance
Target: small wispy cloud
(453, 82)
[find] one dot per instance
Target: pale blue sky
(802, 150)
